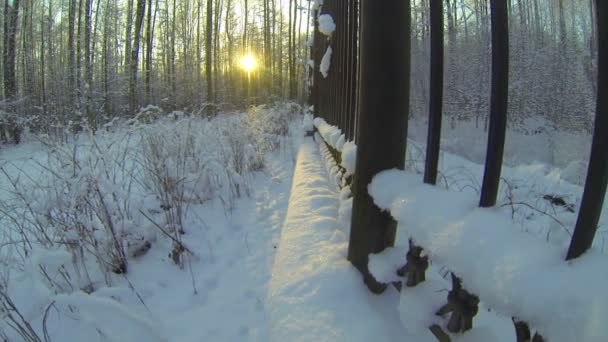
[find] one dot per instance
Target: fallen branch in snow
(15, 320)
(541, 212)
(176, 241)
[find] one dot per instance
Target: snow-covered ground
(219, 244)
(216, 293)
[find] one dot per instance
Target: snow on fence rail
(512, 273)
(363, 98)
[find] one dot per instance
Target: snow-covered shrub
(11, 127)
(77, 213)
(148, 114)
(77, 204)
(269, 127)
(13, 319)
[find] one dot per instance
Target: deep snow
(271, 264)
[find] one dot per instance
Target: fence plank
(597, 173)
(382, 133)
(317, 54)
(436, 92)
(498, 103)
(353, 74)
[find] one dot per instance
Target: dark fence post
(317, 47)
(331, 6)
(436, 92)
(597, 174)
(382, 128)
(498, 102)
(352, 66)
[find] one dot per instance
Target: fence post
(498, 102)
(436, 92)
(352, 66)
(317, 52)
(382, 128)
(597, 173)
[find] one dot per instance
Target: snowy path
(315, 294)
(232, 286)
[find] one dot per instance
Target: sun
(248, 63)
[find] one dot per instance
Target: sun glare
(248, 63)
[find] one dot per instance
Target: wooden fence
(365, 94)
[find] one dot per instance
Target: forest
(98, 59)
(64, 61)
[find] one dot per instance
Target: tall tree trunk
(43, 63)
(280, 50)
(71, 54)
(11, 16)
(230, 47)
(27, 37)
(129, 26)
(149, 45)
(172, 62)
(79, 58)
(246, 10)
(562, 26)
(139, 19)
(209, 53)
(88, 65)
(106, 61)
(293, 4)
(297, 49)
(199, 56)
(216, 48)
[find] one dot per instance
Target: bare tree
(139, 19)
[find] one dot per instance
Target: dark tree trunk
(128, 36)
(292, 53)
(88, 65)
(71, 54)
(149, 45)
(139, 19)
(245, 27)
(79, 58)
(11, 16)
(209, 53)
(11, 20)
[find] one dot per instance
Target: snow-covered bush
(11, 127)
(269, 127)
(87, 204)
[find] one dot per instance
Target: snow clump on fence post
(327, 26)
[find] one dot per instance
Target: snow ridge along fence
(361, 68)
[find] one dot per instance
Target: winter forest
(213, 170)
(73, 59)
